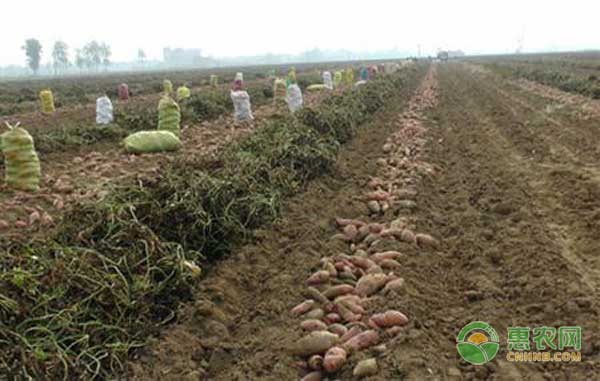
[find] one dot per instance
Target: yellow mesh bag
(47, 101)
(169, 115)
(214, 80)
(22, 170)
(183, 93)
(168, 87)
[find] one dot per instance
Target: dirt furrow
(562, 175)
(504, 263)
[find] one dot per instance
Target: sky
(242, 27)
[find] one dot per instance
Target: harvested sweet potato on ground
(303, 307)
(319, 277)
(315, 362)
(338, 329)
(315, 343)
(365, 368)
(394, 285)
(370, 284)
(425, 240)
(313, 325)
(388, 319)
(362, 340)
(335, 291)
(335, 358)
(313, 376)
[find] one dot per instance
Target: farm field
(383, 218)
(577, 73)
(506, 179)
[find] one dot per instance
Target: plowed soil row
(517, 219)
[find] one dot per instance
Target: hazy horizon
(235, 28)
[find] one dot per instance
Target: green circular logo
(477, 343)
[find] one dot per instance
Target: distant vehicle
(442, 56)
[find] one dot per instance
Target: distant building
(182, 57)
(447, 54)
(455, 53)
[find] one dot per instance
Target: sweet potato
(335, 358)
(377, 196)
(21, 224)
(378, 257)
(371, 238)
(398, 224)
(363, 263)
(315, 343)
(350, 231)
(335, 291)
(363, 231)
(353, 331)
(365, 368)
(338, 329)
(303, 307)
(388, 319)
(393, 285)
(373, 207)
(339, 237)
(332, 318)
(315, 314)
(363, 340)
(392, 232)
(385, 206)
(408, 236)
(313, 325)
(346, 313)
(330, 267)
(389, 264)
(375, 270)
(341, 222)
(375, 183)
(375, 227)
(393, 331)
(315, 362)
(349, 297)
(370, 284)
(316, 295)
(425, 240)
(352, 304)
(319, 277)
(313, 376)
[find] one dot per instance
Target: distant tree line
(92, 56)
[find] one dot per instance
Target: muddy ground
(513, 200)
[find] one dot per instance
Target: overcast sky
(244, 27)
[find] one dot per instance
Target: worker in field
(372, 71)
(364, 74)
(237, 85)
